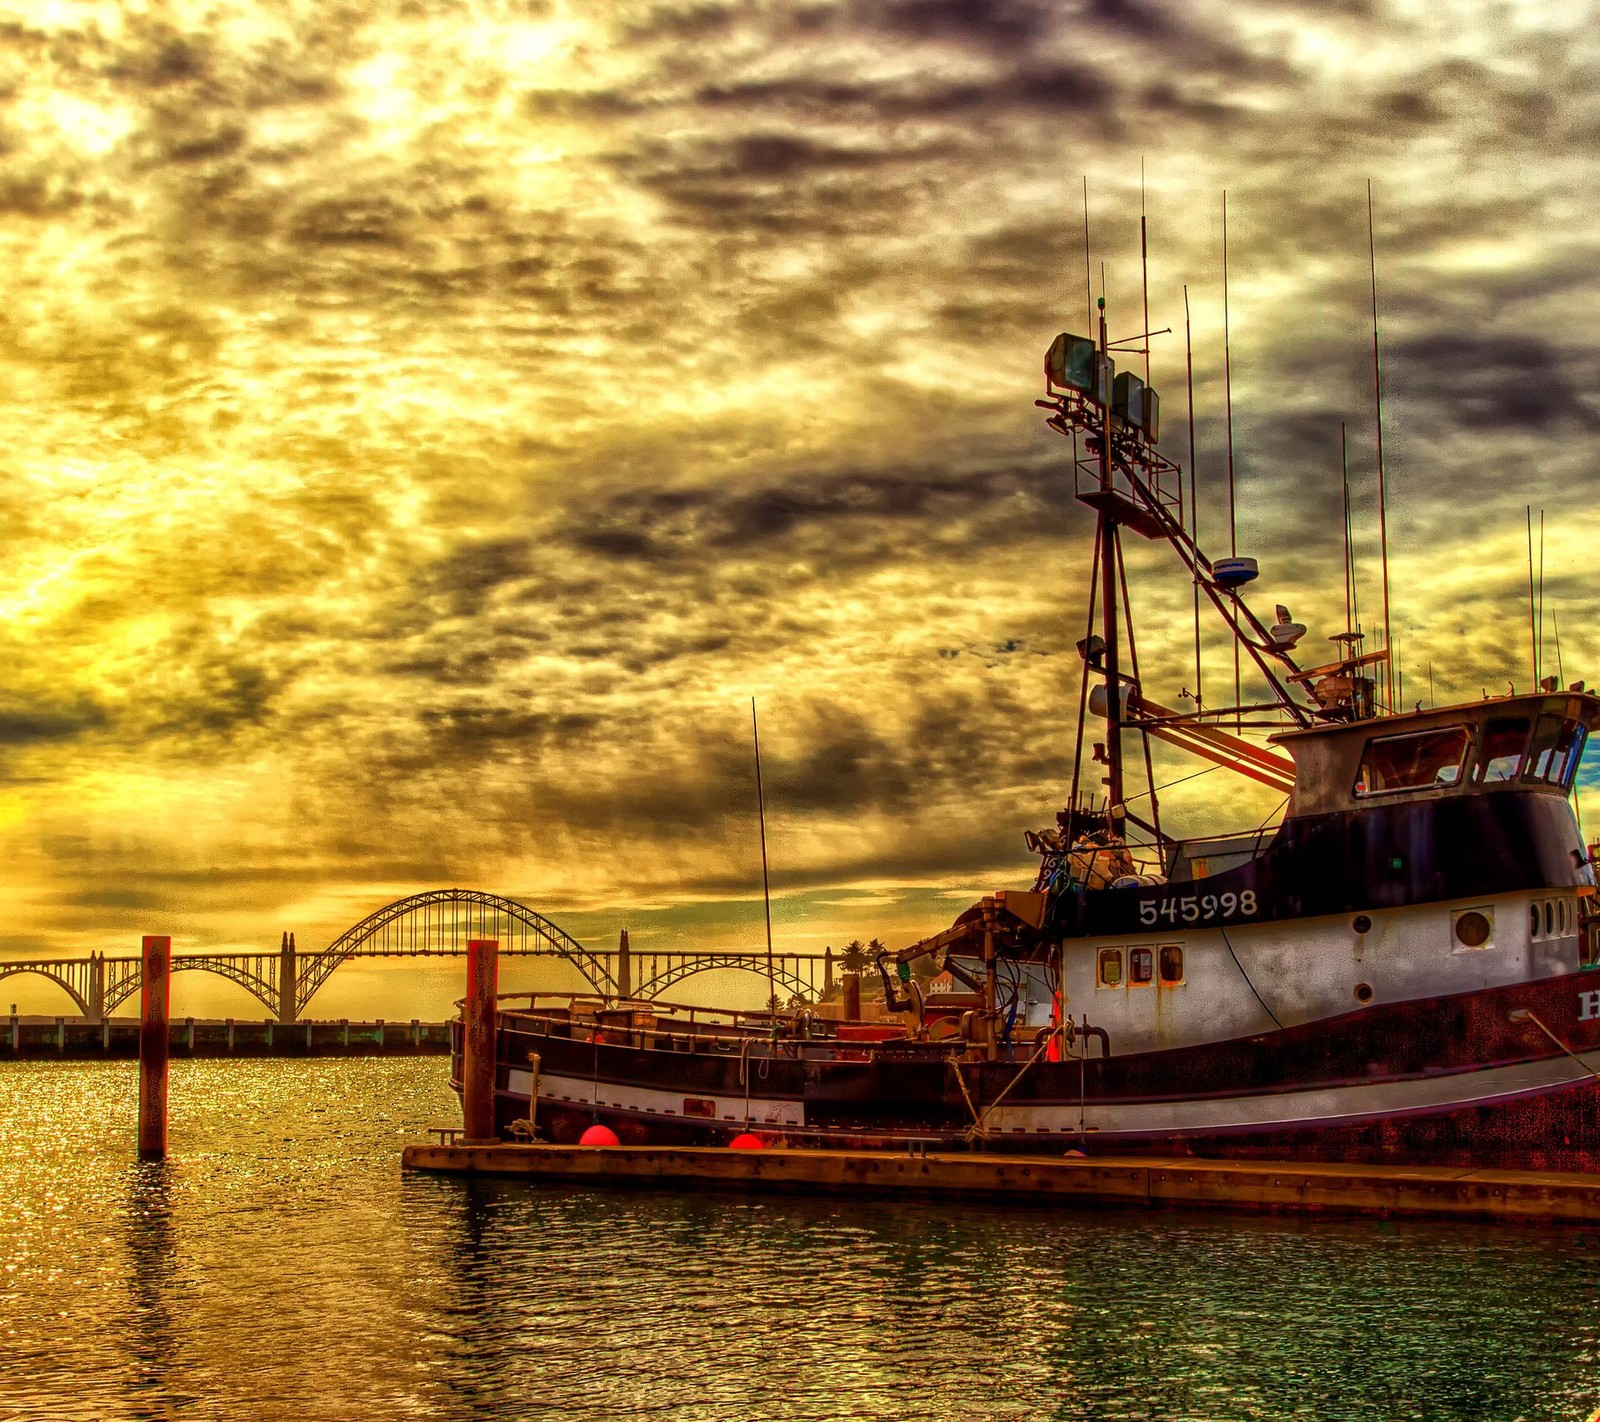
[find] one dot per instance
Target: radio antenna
(1144, 273)
(1344, 484)
(1227, 387)
(1541, 595)
(1194, 501)
(1533, 602)
(1088, 267)
(766, 891)
(1377, 396)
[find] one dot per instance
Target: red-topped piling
(155, 1001)
(478, 1032)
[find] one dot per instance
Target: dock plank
(1385, 1190)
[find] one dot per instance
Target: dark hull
(1375, 858)
(1450, 1080)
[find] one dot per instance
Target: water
(279, 1267)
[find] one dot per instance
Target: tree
(854, 957)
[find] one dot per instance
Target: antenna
(1541, 595)
(1227, 385)
(1144, 272)
(1088, 278)
(1349, 568)
(1194, 501)
(1377, 395)
(1533, 602)
(1555, 622)
(766, 892)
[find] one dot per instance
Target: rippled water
(279, 1266)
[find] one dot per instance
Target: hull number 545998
(1198, 908)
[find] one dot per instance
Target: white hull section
(651, 1101)
(1281, 1110)
(1291, 1110)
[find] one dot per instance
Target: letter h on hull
(1588, 1006)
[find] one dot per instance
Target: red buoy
(598, 1135)
(745, 1141)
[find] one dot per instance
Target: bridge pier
(624, 967)
(95, 997)
(288, 973)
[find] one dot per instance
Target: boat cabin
(1529, 742)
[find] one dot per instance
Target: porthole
(1561, 916)
(1473, 929)
(1363, 992)
(1549, 919)
(1533, 922)
(1361, 923)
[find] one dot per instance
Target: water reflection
(150, 1342)
(279, 1267)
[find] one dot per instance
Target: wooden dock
(1382, 1190)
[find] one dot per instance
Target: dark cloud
(1473, 381)
(45, 724)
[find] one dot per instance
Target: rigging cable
(1246, 976)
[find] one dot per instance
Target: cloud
(425, 431)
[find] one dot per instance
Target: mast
(1106, 535)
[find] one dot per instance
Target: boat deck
(1383, 1190)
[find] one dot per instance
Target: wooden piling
(155, 1001)
(478, 1023)
(850, 984)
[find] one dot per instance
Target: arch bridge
(435, 923)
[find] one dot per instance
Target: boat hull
(1502, 1077)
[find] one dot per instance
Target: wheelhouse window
(1141, 967)
(1554, 753)
(1500, 755)
(1423, 760)
(1111, 967)
(1171, 963)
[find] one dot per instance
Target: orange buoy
(745, 1141)
(598, 1135)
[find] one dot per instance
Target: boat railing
(685, 1027)
(585, 1006)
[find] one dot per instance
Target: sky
(425, 426)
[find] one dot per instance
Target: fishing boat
(1398, 970)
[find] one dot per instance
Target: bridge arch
(442, 921)
(60, 975)
(676, 971)
(253, 974)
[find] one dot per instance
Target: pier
(1266, 1186)
(117, 1038)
